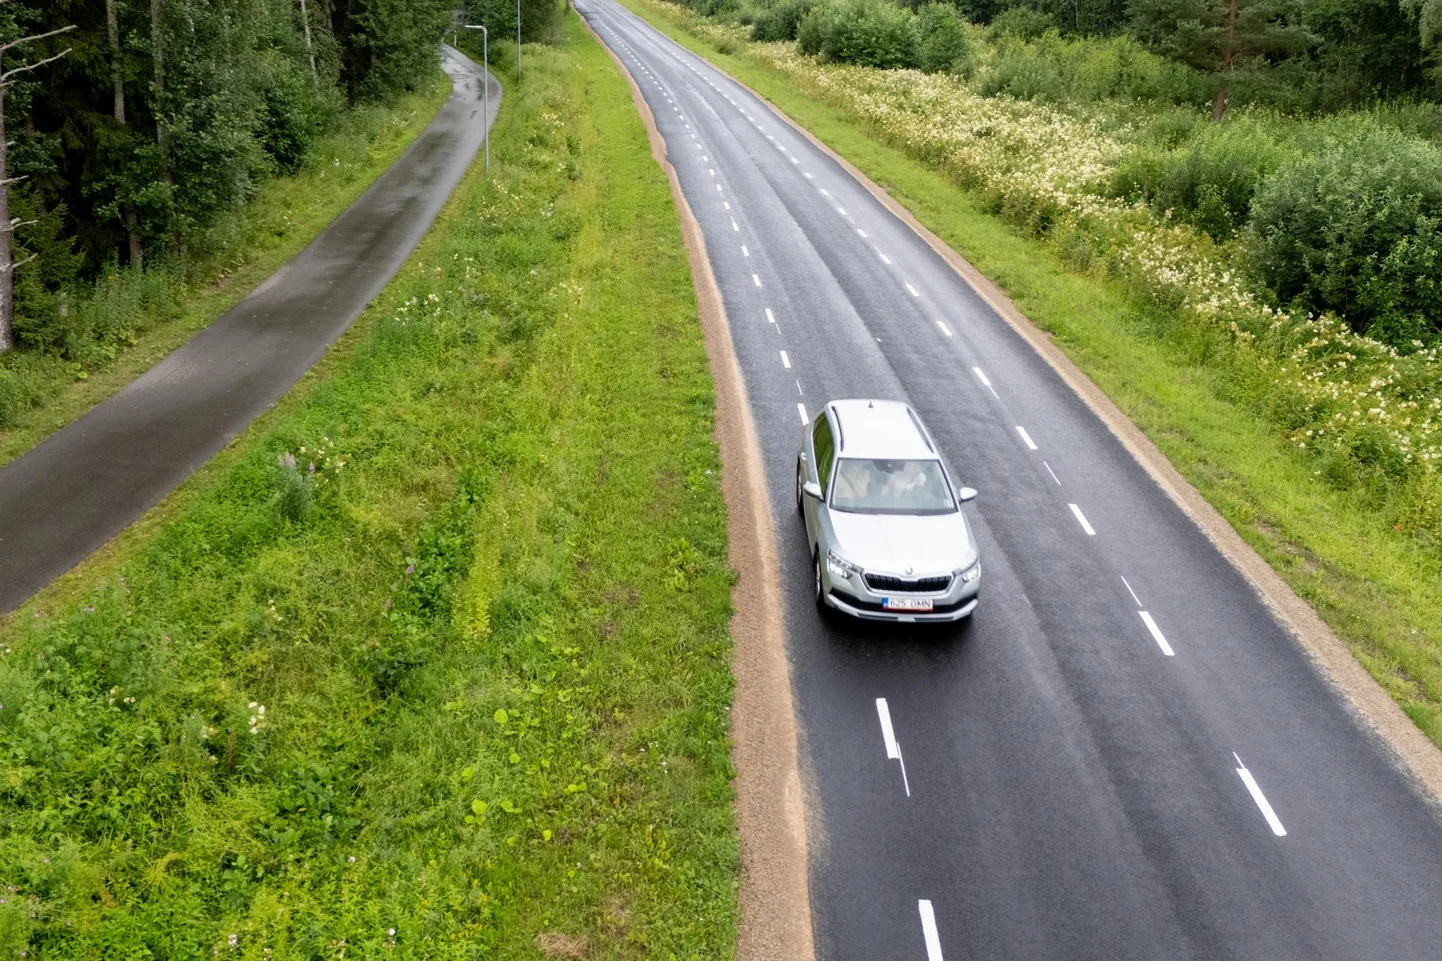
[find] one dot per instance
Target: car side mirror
(966, 494)
(811, 489)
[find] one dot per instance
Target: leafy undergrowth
(1354, 544)
(133, 318)
(437, 665)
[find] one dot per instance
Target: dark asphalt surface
(86, 483)
(1075, 792)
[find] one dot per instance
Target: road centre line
(861, 232)
(1132, 592)
(800, 407)
(799, 391)
(756, 279)
(1026, 437)
(912, 290)
(1052, 473)
(726, 204)
(928, 930)
(1157, 634)
(888, 736)
(1081, 519)
(1256, 791)
(785, 361)
(744, 251)
(944, 329)
(842, 211)
(806, 174)
(981, 375)
(884, 259)
(770, 316)
(735, 226)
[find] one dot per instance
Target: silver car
(887, 536)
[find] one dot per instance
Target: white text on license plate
(906, 603)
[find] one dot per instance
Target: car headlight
(968, 574)
(838, 567)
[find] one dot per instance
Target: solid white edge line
(785, 361)
(1131, 592)
(802, 409)
(888, 734)
(928, 930)
(770, 316)
(1082, 519)
(1261, 799)
(1026, 437)
(1157, 634)
(944, 329)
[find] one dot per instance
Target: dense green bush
(1023, 22)
(1053, 67)
(1209, 182)
(780, 21)
(869, 33)
(1356, 228)
(943, 44)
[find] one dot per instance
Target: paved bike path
(87, 482)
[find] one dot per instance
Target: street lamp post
(485, 87)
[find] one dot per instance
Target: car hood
(891, 543)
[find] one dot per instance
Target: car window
(825, 447)
(866, 486)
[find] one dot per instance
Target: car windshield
(865, 486)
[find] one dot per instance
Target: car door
(821, 460)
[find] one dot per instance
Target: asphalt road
(84, 484)
(1123, 756)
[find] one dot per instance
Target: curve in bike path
(87, 482)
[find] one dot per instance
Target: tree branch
(19, 263)
(5, 77)
(34, 37)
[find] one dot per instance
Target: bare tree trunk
(7, 259)
(117, 80)
(1219, 106)
(309, 50)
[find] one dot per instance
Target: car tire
(800, 505)
(816, 584)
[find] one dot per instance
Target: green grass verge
(1379, 588)
(160, 310)
(490, 635)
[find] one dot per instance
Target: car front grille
(886, 584)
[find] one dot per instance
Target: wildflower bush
(473, 700)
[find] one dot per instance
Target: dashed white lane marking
(718, 188)
(744, 251)
(928, 931)
(912, 290)
(801, 409)
(884, 259)
(785, 361)
(1272, 820)
(842, 211)
(824, 191)
(757, 279)
(806, 174)
(735, 226)
(1157, 634)
(795, 161)
(1052, 473)
(770, 316)
(705, 159)
(1081, 519)
(888, 735)
(1026, 437)
(726, 205)
(944, 329)
(1132, 592)
(798, 389)
(981, 376)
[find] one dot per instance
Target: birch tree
(8, 264)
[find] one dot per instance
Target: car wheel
(816, 583)
(800, 506)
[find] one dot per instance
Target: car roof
(881, 429)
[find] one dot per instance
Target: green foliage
(1024, 22)
(241, 739)
(1211, 180)
(1056, 68)
(1356, 228)
(943, 44)
(868, 33)
(780, 20)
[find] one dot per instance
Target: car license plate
(906, 603)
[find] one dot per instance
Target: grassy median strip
(154, 312)
(1377, 585)
(438, 664)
